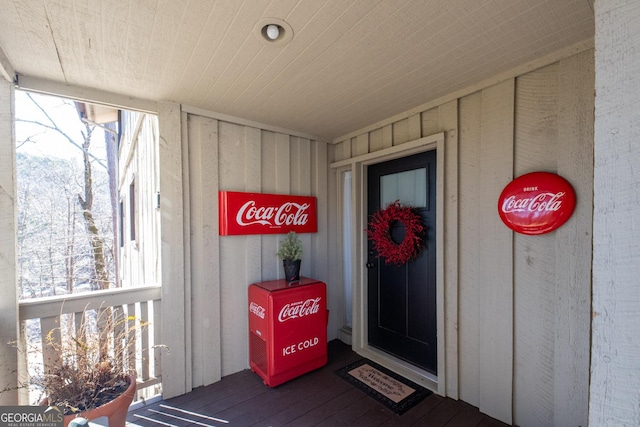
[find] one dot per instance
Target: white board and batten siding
(204, 289)
(554, 132)
(516, 332)
(615, 355)
(174, 363)
(139, 262)
(494, 279)
(226, 156)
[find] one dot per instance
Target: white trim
(9, 359)
(403, 368)
(493, 80)
(83, 94)
(37, 308)
(344, 333)
(359, 330)
(406, 149)
(245, 122)
(186, 233)
(441, 316)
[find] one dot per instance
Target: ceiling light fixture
(273, 31)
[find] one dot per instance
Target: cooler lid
(281, 284)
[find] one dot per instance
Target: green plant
(290, 247)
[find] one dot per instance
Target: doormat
(395, 392)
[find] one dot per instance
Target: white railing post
(118, 312)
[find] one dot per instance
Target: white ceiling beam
(84, 94)
(6, 69)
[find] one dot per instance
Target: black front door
(402, 299)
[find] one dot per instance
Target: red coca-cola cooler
(287, 328)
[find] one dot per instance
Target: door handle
(370, 265)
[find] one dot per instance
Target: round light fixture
(273, 31)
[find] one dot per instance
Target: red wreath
(380, 233)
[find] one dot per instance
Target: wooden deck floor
(319, 398)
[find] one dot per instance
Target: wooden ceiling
(349, 63)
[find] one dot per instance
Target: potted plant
(290, 252)
(86, 374)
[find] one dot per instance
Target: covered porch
(531, 330)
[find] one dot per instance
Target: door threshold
(401, 367)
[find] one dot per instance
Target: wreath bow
(379, 233)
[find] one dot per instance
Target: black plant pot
(291, 270)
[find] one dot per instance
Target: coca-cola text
(536, 203)
(539, 203)
(287, 214)
(298, 309)
(256, 309)
(256, 213)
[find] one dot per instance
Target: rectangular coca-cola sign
(257, 213)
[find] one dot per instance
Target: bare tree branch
(54, 128)
(80, 262)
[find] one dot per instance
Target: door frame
(358, 166)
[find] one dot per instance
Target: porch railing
(62, 315)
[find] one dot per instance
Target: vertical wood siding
(233, 157)
(470, 242)
(574, 241)
(535, 256)
(495, 277)
(554, 132)
(172, 220)
(205, 252)
(614, 394)
(139, 259)
(516, 307)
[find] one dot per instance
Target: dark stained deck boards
(319, 398)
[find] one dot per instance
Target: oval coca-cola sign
(536, 203)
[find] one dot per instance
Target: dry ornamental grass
(92, 364)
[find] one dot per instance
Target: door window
(408, 186)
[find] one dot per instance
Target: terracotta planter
(116, 410)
